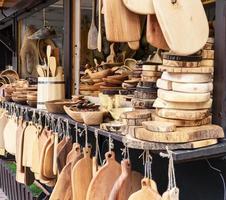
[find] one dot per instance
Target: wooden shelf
(214, 151)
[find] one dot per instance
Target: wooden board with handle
(81, 175)
(183, 97)
(184, 123)
(147, 192)
(142, 7)
(190, 115)
(127, 183)
(177, 26)
(102, 183)
(140, 144)
(194, 70)
(160, 103)
(182, 135)
(187, 77)
(121, 28)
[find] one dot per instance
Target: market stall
(149, 93)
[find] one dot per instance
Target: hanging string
(86, 135)
(44, 17)
(33, 119)
(98, 154)
(147, 162)
(110, 143)
(40, 118)
(76, 133)
(125, 152)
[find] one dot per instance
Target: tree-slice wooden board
(190, 115)
(182, 135)
(195, 70)
(160, 103)
(142, 103)
(184, 123)
(164, 84)
(145, 95)
(151, 73)
(173, 63)
(121, 28)
(208, 54)
(102, 183)
(140, 144)
(183, 97)
(142, 7)
(192, 87)
(156, 126)
(153, 68)
(177, 19)
(136, 114)
(207, 63)
(148, 78)
(187, 77)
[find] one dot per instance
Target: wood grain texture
(120, 28)
(142, 7)
(173, 63)
(192, 87)
(164, 84)
(102, 183)
(150, 67)
(182, 135)
(160, 103)
(157, 126)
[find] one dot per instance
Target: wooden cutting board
(81, 175)
(120, 28)
(195, 70)
(158, 126)
(207, 63)
(190, 115)
(151, 73)
(143, 7)
(178, 19)
(175, 63)
(164, 84)
(30, 133)
(142, 103)
(48, 160)
(183, 97)
(187, 77)
(154, 33)
(102, 183)
(193, 87)
(160, 103)
(190, 134)
(142, 114)
(146, 192)
(208, 54)
(127, 183)
(153, 68)
(10, 135)
(184, 123)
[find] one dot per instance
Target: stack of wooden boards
(146, 91)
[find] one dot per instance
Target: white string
(76, 132)
(86, 135)
(147, 162)
(110, 143)
(98, 154)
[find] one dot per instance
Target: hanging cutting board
(48, 160)
(127, 183)
(160, 103)
(81, 175)
(154, 33)
(3, 122)
(10, 135)
(30, 133)
(183, 97)
(120, 28)
(142, 7)
(64, 179)
(177, 19)
(147, 192)
(102, 183)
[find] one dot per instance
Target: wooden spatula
(134, 45)
(52, 66)
(142, 7)
(92, 34)
(40, 71)
(48, 54)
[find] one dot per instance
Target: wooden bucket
(50, 89)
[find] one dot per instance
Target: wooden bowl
(93, 118)
(12, 73)
(19, 100)
(74, 115)
(57, 106)
(100, 74)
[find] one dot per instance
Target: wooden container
(57, 106)
(49, 89)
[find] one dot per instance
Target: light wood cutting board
(178, 19)
(81, 175)
(127, 183)
(102, 183)
(143, 7)
(147, 192)
(154, 33)
(120, 28)
(193, 88)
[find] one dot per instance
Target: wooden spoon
(40, 71)
(99, 37)
(48, 54)
(92, 34)
(52, 65)
(60, 72)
